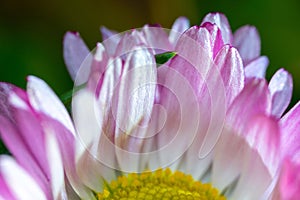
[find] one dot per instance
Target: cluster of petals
(208, 112)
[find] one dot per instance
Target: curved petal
(246, 105)
(195, 49)
(66, 143)
(259, 144)
(281, 89)
(257, 68)
(221, 21)
(44, 100)
(247, 41)
(291, 133)
(75, 52)
(215, 37)
(21, 184)
(15, 143)
(231, 68)
(289, 181)
(179, 26)
(53, 155)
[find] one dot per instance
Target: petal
(66, 143)
(157, 39)
(257, 68)
(195, 49)
(17, 145)
(289, 182)
(75, 52)
(246, 105)
(19, 181)
(55, 164)
(95, 158)
(259, 144)
(263, 135)
(230, 65)
(85, 111)
(281, 88)
(133, 103)
(98, 68)
(5, 192)
(106, 33)
(136, 90)
(44, 100)
(5, 108)
(216, 37)
(291, 133)
(229, 154)
(221, 21)
(176, 120)
(179, 26)
(247, 41)
(254, 180)
(110, 40)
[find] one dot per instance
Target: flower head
(207, 112)
(204, 123)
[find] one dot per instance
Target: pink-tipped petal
(221, 21)
(291, 133)
(246, 105)
(263, 135)
(247, 41)
(195, 49)
(289, 182)
(216, 37)
(257, 68)
(231, 68)
(281, 89)
(19, 149)
(44, 100)
(22, 185)
(75, 52)
(179, 26)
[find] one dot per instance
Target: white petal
(228, 157)
(44, 100)
(55, 164)
(247, 41)
(257, 68)
(87, 119)
(179, 26)
(281, 88)
(18, 180)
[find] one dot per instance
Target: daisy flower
(203, 125)
(29, 121)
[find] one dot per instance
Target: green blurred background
(31, 31)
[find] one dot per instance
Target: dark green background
(31, 32)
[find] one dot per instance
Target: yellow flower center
(161, 184)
